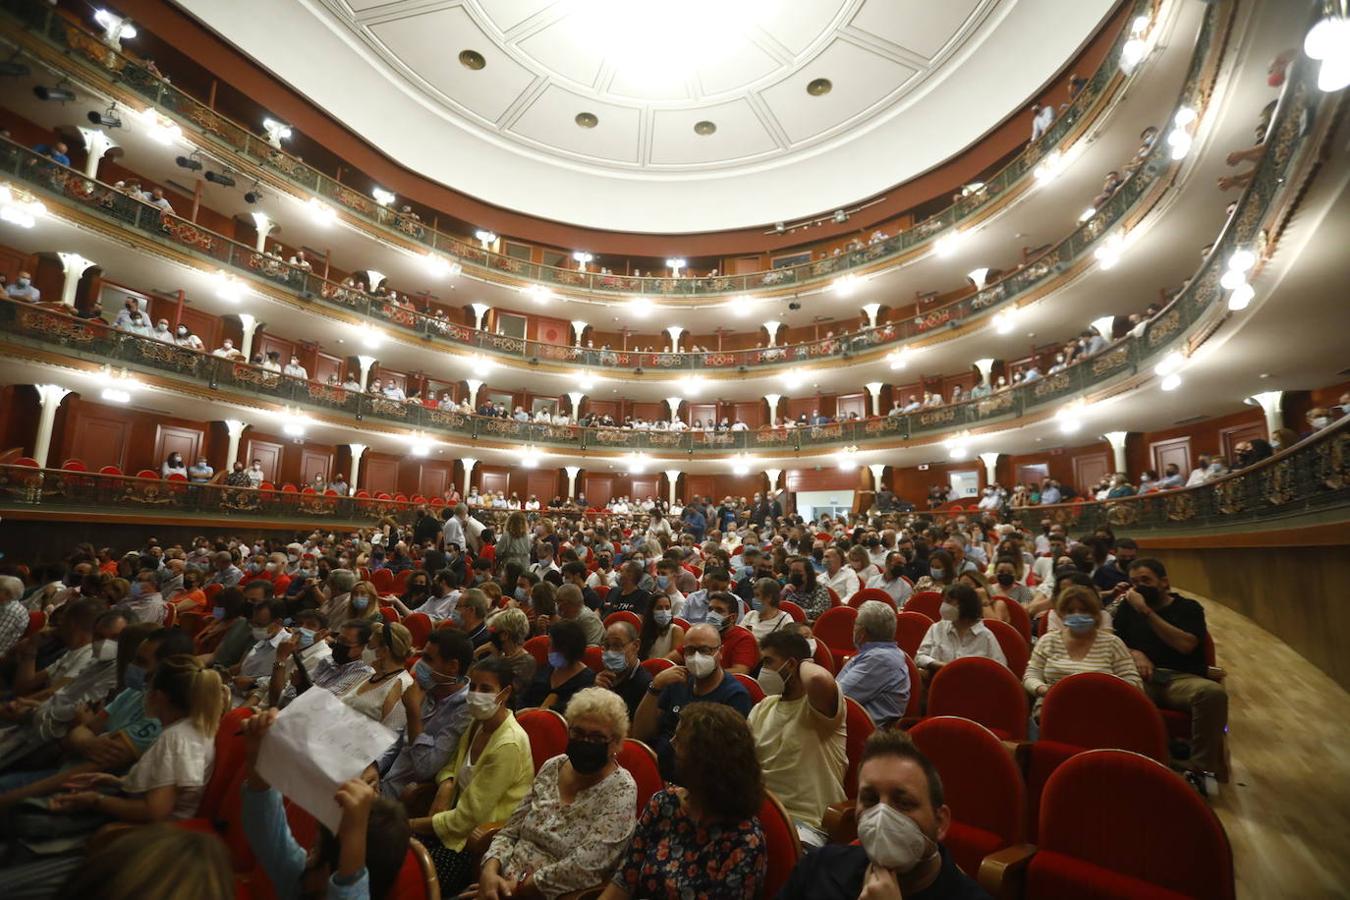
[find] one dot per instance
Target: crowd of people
(111, 707)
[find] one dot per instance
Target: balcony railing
(1311, 477)
(99, 60)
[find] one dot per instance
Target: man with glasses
(344, 671)
(700, 680)
(471, 615)
(622, 674)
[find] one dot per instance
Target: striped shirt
(1050, 661)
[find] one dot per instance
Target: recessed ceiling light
(819, 87)
(472, 59)
(587, 120)
(705, 127)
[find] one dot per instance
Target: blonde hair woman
(362, 603)
(510, 630)
(1080, 646)
(514, 544)
(381, 695)
(162, 862)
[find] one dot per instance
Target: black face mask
(587, 757)
(1152, 596)
(342, 654)
(896, 572)
(1006, 579)
(817, 554)
(796, 579)
(496, 638)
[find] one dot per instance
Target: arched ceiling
(664, 116)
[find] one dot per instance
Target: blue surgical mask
(714, 619)
(521, 594)
(1079, 623)
(614, 660)
(556, 659)
(425, 675)
(134, 678)
(937, 574)
(137, 589)
(662, 617)
(306, 638)
(360, 603)
(663, 581)
(218, 612)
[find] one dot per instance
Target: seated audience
(660, 637)
(436, 711)
(767, 617)
(566, 672)
(878, 676)
(380, 696)
(1080, 646)
(961, 632)
(622, 673)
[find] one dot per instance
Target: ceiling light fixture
(846, 285)
(946, 245)
(1179, 138)
(221, 178)
(108, 118)
(675, 264)
(1108, 254)
(848, 458)
(640, 307)
(276, 132)
(538, 293)
(383, 197)
(636, 463)
(691, 385)
(115, 28)
(581, 258)
(1136, 48)
(1049, 168)
(1006, 320)
(898, 359)
(228, 287)
(705, 128)
(793, 379)
(472, 59)
(740, 464)
(819, 87)
(587, 120)
(529, 457)
(440, 267)
(22, 210)
(740, 306)
(321, 213)
(1328, 42)
(159, 128)
(1241, 297)
(485, 237)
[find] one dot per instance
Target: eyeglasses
(589, 737)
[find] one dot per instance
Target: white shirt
(453, 532)
(258, 661)
(844, 582)
(597, 578)
(899, 589)
(1042, 121)
(943, 643)
(296, 371)
(181, 756)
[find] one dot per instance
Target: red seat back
(798, 614)
(212, 589)
(862, 596)
(537, 647)
(74, 465)
(927, 602)
(834, 629)
(594, 659)
(624, 615)
(31, 463)
(915, 702)
(858, 727)
(110, 470)
(389, 614)
(148, 473)
(984, 691)
(1094, 710)
(910, 627)
(656, 665)
(1019, 619)
(834, 597)
(781, 841)
(229, 762)
(1119, 822)
(401, 581)
(640, 761)
(1015, 649)
(982, 784)
(548, 733)
(37, 620)
(417, 879)
(419, 626)
(383, 580)
(823, 657)
(602, 591)
(751, 686)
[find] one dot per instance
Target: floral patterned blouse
(567, 846)
(671, 855)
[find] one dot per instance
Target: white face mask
(480, 705)
(105, 650)
(368, 656)
(892, 839)
(949, 612)
(771, 681)
(700, 665)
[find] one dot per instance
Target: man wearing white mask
(902, 819)
(268, 633)
(799, 733)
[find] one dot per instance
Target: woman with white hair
(576, 820)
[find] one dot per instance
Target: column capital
(871, 310)
(1116, 438)
(874, 387)
(674, 404)
(357, 450)
(469, 463)
(773, 475)
(375, 278)
(249, 322)
(473, 383)
(578, 329)
(235, 427)
(572, 471)
(986, 367)
(366, 361)
(1268, 400)
(51, 393)
(73, 262)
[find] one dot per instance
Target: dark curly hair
(732, 788)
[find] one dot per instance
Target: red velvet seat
(146, 473)
(823, 657)
(417, 879)
(862, 596)
(401, 581)
(110, 470)
(389, 614)
(74, 465)
(624, 615)
(594, 659)
(640, 761)
(915, 689)
(1116, 824)
(834, 598)
(1094, 710)
(983, 787)
(37, 620)
(910, 627)
(1015, 648)
(781, 841)
(1019, 619)
(548, 733)
(537, 647)
(419, 625)
(31, 463)
(798, 614)
(656, 665)
(383, 580)
(751, 686)
(858, 727)
(834, 629)
(983, 691)
(927, 602)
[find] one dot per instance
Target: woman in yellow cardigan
(483, 781)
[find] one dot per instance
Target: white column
(96, 143)
(572, 472)
(358, 450)
(474, 384)
(469, 462)
(480, 310)
(235, 429)
(74, 266)
(874, 388)
(674, 331)
(772, 475)
(49, 397)
(374, 279)
(1117, 441)
(264, 224)
(986, 367)
(871, 310)
(367, 363)
(1270, 405)
(772, 400)
(877, 469)
(576, 397)
(990, 460)
(578, 329)
(674, 404)
(772, 327)
(672, 481)
(249, 326)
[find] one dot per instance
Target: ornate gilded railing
(97, 60)
(1310, 477)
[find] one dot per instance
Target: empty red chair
(389, 613)
(33, 463)
(602, 591)
(834, 629)
(548, 734)
(982, 785)
(537, 647)
(1018, 619)
(624, 615)
(823, 657)
(983, 691)
(834, 598)
(862, 596)
(419, 625)
(110, 470)
(927, 602)
(915, 702)
(143, 473)
(74, 465)
(594, 659)
(1118, 824)
(751, 686)
(1015, 649)
(781, 841)
(798, 614)
(910, 628)
(640, 761)
(401, 581)
(858, 727)
(417, 879)
(383, 580)
(654, 666)
(1097, 711)
(37, 620)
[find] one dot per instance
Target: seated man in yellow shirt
(799, 732)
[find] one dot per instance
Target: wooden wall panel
(432, 480)
(644, 486)
(543, 484)
(599, 489)
(855, 404)
(1232, 436)
(269, 343)
(1175, 451)
(494, 479)
(99, 440)
(174, 438)
(1089, 469)
(699, 486)
(379, 474)
(825, 479)
(268, 453)
(315, 461)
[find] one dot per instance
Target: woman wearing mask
(579, 813)
(483, 780)
(941, 573)
(769, 617)
(361, 603)
(174, 465)
(514, 545)
(381, 695)
(1080, 646)
(1006, 589)
(509, 632)
(660, 637)
(702, 839)
(960, 633)
(566, 672)
(803, 589)
(191, 598)
(226, 638)
(415, 593)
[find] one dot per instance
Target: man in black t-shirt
(1166, 635)
(627, 596)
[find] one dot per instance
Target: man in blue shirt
(57, 152)
(878, 677)
(715, 579)
(437, 715)
(695, 521)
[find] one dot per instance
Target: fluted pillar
(572, 472)
(73, 267)
(772, 400)
(96, 145)
(235, 429)
(672, 483)
(358, 450)
(1117, 441)
(49, 398)
(1270, 405)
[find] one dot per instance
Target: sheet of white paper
(316, 744)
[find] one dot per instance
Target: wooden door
(646, 486)
(851, 403)
(325, 365)
(432, 480)
(1033, 473)
(203, 325)
(1164, 453)
(1089, 469)
(266, 452)
(268, 343)
(542, 484)
(100, 440)
(599, 489)
(699, 486)
(1231, 437)
(495, 481)
(315, 461)
(703, 411)
(171, 438)
(381, 476)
